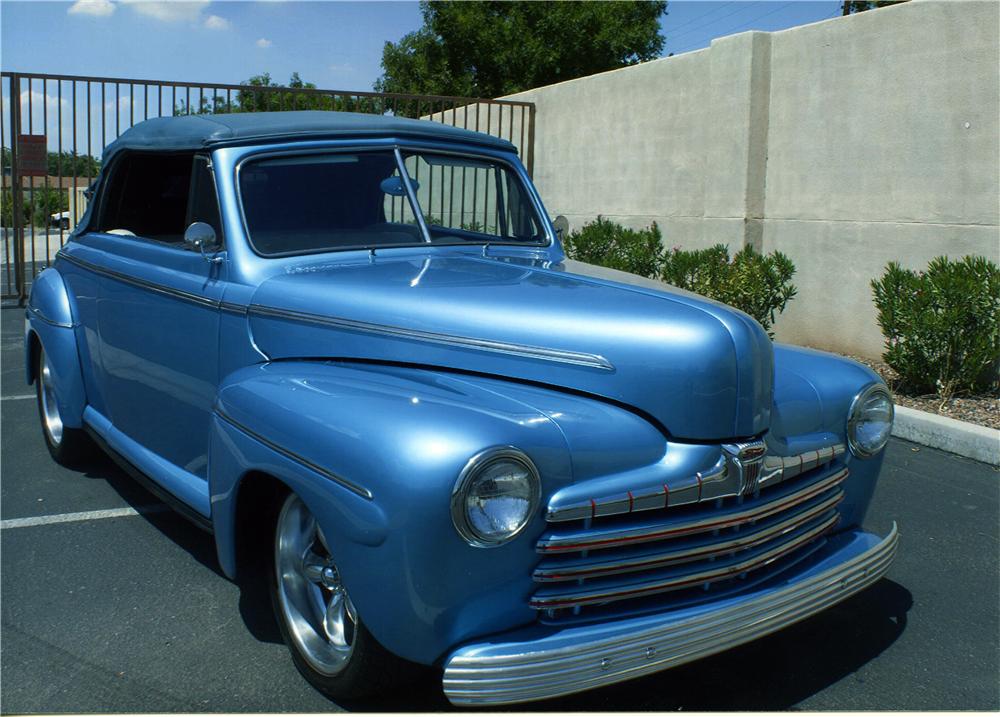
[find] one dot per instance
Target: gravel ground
(982, 410)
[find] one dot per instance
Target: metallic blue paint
(174, 363)
(405, 435)
(50, 320)
(188, 488)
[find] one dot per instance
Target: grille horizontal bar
(612, 536)
(498, 672)
(717, 482)
(602, 565)
(707, 573)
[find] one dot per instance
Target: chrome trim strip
(140, 283)
(353, 487)
(46, 320)
(572, 598)
(611, 537)
(497, 672)
(718, 482)
(535, 352)
(232, 308)
(741, 541)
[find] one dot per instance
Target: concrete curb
(964, 439)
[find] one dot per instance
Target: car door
(158, 312)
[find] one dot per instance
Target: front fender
(49, 320)
(813, 391)
(375, 452)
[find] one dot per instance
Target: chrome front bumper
(582, 658)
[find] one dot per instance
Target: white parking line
(25, 397)
(80, 517)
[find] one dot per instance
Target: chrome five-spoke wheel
(315, 606)
(329, 642)
(51, 420)
(68, 446)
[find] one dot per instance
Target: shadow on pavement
(773, 673)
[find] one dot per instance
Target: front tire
(329, 643)
(68, 446)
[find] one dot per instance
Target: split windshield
(295, 204)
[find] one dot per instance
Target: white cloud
(172, 11)
(97, 8)
(344, 68)
(264, 42)
(214, 22)
(123, 104)
(38, 99)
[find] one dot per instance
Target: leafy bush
(759, 284)
(941, 326)
(49, 201)
(603, 242)
(7, 209)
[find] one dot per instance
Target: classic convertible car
(352, 348)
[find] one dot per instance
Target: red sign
(32, 158)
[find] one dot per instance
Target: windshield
(307, 203)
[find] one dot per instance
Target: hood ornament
(745, 461)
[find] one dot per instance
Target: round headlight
(495, 497)
(869, 422)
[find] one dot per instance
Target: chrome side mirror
(561, 225)
(202, 237)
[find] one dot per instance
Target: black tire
(64, 224)
(370, 669)
(70, 447)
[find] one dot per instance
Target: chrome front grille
(681, 552)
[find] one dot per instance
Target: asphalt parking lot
(127, 611)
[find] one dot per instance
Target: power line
(701, 17)
(738, 27)
(761, 17)
(712, 21)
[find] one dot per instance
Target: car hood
(699, 369)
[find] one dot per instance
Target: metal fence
(78, 116)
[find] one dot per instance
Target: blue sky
(337, 45)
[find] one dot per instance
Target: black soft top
(194, 132)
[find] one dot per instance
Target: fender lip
(580, 658)
(37, 313)
(49, 301)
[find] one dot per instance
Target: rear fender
(375, 452)
(49, 323)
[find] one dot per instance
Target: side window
(203, 205)
(147, 195)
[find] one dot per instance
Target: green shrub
(759, 284)
(941, 326)
(48, 201)
(603, 242)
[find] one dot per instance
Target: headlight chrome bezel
(853, 418)
(473, 469)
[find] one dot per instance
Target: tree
(852, 7)
(270, 100)
(273, 99)
(489, 49)
(71, 164)
(48, 201)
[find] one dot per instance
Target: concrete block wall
(845, 144)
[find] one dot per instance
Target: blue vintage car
(352, 348)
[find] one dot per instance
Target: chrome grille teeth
(764, 525)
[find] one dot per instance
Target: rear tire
(69, 447)
(330, 645)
